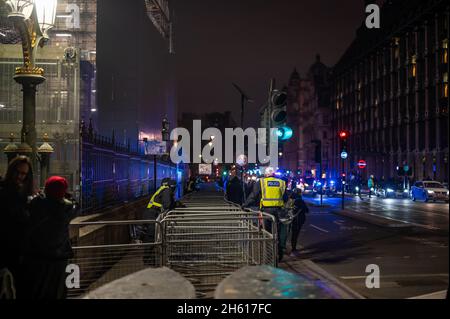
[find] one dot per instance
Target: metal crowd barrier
(205, 241)
(111, 252)
(211, 238)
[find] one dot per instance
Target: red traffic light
(343, 134)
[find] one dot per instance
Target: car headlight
(390, 190)
(357, 189)
(447, 193)
(430, 192)
(405, 191)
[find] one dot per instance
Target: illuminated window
(396, 48)
(445, 90)
(445, 53)
(414, 66)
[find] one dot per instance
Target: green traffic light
(285, 133)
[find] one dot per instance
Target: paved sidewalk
(315, 273)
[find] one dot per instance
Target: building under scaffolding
(135, 91)
(136, 69)
(69, 61)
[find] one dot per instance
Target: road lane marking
(434, 295)
(320, 229)
(396, 276)
(403, 222)
(399, 207)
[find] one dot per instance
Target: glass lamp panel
(24, 7)
(46, 13)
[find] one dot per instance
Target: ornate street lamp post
(44, 151)
(32, 19)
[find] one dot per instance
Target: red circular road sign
(362, 164)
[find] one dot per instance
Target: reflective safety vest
(272, 191)
(152, 202)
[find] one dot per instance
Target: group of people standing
(34, 234)
(270, 194)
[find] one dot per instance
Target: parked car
(429, 190)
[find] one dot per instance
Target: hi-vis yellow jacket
(272, 191)
(152, 203)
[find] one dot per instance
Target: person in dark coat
(15, 191)
(235, 191)
(162, 201)
(250, 185)
(299, 210)
(48, 246)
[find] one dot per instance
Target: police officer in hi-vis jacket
(270, 193)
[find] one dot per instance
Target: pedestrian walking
(235, 191)
(16, 190)
(298, 209)
(370, 185)
(48, 247)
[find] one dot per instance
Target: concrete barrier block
(265, 282)
(151, 283)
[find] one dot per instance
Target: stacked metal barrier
(206, 241)
(211, 238)
(106, 251)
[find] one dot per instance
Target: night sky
(249, 41)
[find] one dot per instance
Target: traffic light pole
(318, 159)
(343, 135)
(343, 186)
(321, 184)
(155, 172)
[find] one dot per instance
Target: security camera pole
(244, 99)
(318, 159)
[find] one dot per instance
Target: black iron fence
(113, 173)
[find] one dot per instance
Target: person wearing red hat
(56, 187)
(48, 247)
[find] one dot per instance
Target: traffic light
(278, 100)
(165, 130)
(343, 135)
(284, 133)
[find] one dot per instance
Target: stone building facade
(390, 91)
